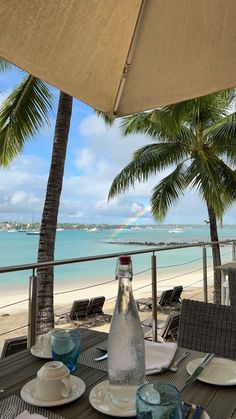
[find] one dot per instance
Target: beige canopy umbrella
(123, 56)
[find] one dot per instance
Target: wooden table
(18, 369)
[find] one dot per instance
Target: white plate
(37, 351)
(28, 393)
(103, 399)
(219, 371)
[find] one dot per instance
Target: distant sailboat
(176, 230)
(21, 230)
(33, 232)
(93, 230)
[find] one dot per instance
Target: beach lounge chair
(13, 345)
(232, 286)
(207, 327)
(163, 301)
(79, 311)
(95, 311)
(144, 303)
(175, 299)
(95, 306)
(167, 329)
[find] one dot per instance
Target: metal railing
(33, 278)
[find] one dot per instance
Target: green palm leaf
(147, 161)
(4, 65)
(214, 181)
(168, 191)
(22, 115)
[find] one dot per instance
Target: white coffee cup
(44, 343)
(53, 381)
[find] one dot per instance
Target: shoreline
(17, 315)
(87, 288)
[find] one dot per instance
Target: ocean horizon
(19, 248)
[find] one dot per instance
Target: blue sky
(95, 156)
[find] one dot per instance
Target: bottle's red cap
(124, 260)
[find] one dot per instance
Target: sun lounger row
(83, 309)
(169, 298)
(167, 330)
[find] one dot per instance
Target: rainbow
(130, 221)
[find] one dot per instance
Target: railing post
(154, 298)
(204, 259)
(233, 252)
(32, 311)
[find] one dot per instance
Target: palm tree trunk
(45, 312)
(216, 255)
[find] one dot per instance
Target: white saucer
(28, 393)
(220, 371)
(102, 398)
(204, 414)
(37, 351)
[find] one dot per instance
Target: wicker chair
(232, 286)
(208, 327)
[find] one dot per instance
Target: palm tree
(45, 282)
(196, 140)
(23, 113)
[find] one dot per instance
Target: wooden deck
(18, 369)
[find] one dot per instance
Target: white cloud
(22, 198)
(85, 159)
(92, 164)
(93, 125)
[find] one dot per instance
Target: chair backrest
(208, 327)
(232, 286)
(165, 298)
(171, 328)
(96, 305)
(176, 294)
(79, 309)
(13, 345)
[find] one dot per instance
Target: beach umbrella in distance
(123, 57)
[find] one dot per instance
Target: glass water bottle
(126, 357)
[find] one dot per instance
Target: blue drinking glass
(155, 401)
(66, 347)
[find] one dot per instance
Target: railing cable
(13, 330)
(12, 304)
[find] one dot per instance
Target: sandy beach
(15, 316)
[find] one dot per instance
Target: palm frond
(158, 125)
(4, 65)
(161, 155)
(167, 192)
(214, 181)
(147, 161)
(139, 124)
(106, 118)
(23, 113)
(222, 137)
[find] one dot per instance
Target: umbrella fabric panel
(184, 49)
(79, 46)
(123, 57)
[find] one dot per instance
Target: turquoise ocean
(18, 248)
